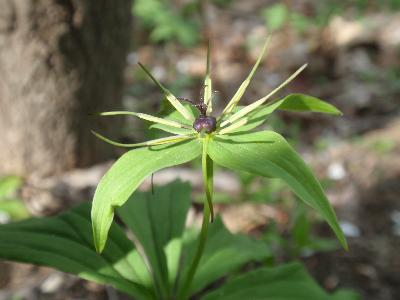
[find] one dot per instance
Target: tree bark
(59, 61)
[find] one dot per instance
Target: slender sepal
(208, 83)
(155, 142)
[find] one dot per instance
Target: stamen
(249, 108)
(146, 117)
(234, 126)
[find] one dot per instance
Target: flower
(227, 140)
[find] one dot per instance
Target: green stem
(207, 168)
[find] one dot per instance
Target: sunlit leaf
(266, 153)
(304, 103)
(119, 183)
(157, 221)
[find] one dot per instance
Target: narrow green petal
(234, 126)
(166, 140)
(239, 93)
(249, 108)
(170, 97)
(146, 117)
(208, 83)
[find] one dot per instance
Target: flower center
(205, 124)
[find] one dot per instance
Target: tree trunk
(59, 61)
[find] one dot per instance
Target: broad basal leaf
(286, 282)
(157, 221)
(292, 102)
(119, 183)
(266, 153)
(65, 243)
(224, 253)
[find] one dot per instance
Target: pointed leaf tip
(266, 153)
(208, 82)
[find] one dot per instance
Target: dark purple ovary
(205, 124)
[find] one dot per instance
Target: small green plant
(168, 24)
(11, 208)
(166, 261)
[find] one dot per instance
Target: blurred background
(62, 60)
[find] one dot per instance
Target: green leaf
(302, 103)
(65, 243)
(158, 222)
(224, 253)
(119, 183)
(286, 282)
(266, 153)
(292, 102)
(14, 208)
(276, 16)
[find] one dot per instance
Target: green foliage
(8, 185)
(10, 206)
(222, 3)
(279, 15)
(174, 265)
(167, 23)
(158, 223)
